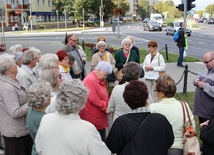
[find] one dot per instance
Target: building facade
(22, 11)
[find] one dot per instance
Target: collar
(11, 81)
(27, 69)
(140, 110)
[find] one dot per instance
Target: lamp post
(57, 16)
(101, 14)
(65, 13)
(31, 22)
(83, 22)
(118, 21)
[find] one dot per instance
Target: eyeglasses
(74, 40)
(206, 62)
(66, 58)
(35, 58)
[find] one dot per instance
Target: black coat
(154, 137)
(207, 137)
(181, 41)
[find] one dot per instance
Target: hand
(147, 68)
(107, 111)
(186, 48)
(205, 123)
(200, 84)
(197, 81)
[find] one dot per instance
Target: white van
(157, 17)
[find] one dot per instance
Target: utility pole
(118, 21)
(31, 22)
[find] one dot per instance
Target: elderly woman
(13, 109)
(103, 55)
(95, 49)
(117, 105)
(48, 61)
(64, 132)
(125, 55)
(153, 63)
(64, 66)
(139, 131)
(52, 76)
(39, 95)
(95, 110)
(172, 109)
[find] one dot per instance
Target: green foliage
(210, 9)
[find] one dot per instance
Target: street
(200, 41)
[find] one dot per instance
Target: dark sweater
(207, 137)
(154, 137)
(121, 59)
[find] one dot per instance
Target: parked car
(152, 25)
(172, 27)
(210, 21)
(200, 20)
(146, 20)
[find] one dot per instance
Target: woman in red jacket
(95, 110)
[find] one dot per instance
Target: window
(39, 3)
(49, 2)
(43, 2)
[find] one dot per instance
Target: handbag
(119, 73)
(111, 77)
(142, 73)
(190, 139)
(161, 73)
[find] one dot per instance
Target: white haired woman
(13, 109)
(125, 55)
(52, 76)
(48, 61)
(103, 55)
(39, 96)
(64, 132)
(95, 110)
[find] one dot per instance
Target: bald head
(208, 59)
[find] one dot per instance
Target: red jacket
(97, 102)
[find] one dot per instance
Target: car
(200, 20)
(146, 20)
(210, 21)
(172, 27)
(152, 25)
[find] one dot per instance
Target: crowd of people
(50, 104)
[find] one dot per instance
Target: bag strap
(133, 135)
(159, 60)
(184, 108)
(128, 57)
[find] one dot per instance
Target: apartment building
(20, 11)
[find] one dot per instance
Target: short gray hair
(13, 49)
(50, 75)
(72, 96)
(101, 43)
(126, 40)
(48, 61)
(27, 57)
(104, 66)
(6, 60)
(131, 71)
(38, 94)
(35, 50)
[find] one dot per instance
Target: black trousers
(18, 146)
(102, 134)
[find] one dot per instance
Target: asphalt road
(200, 42)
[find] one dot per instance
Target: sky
(200, 4)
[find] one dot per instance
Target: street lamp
(31, 22)
(101, 14)
(118, 20)
(57, 16)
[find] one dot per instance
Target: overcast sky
(200, 4)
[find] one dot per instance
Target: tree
(143, 8)
(210, 9)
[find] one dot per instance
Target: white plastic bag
(184, 54)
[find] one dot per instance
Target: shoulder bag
(161, 73)
(190, 139)
(119, 73)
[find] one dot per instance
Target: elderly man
(25, 75)
(204, 92)
(73, 48)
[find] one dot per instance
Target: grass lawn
(143, 52)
